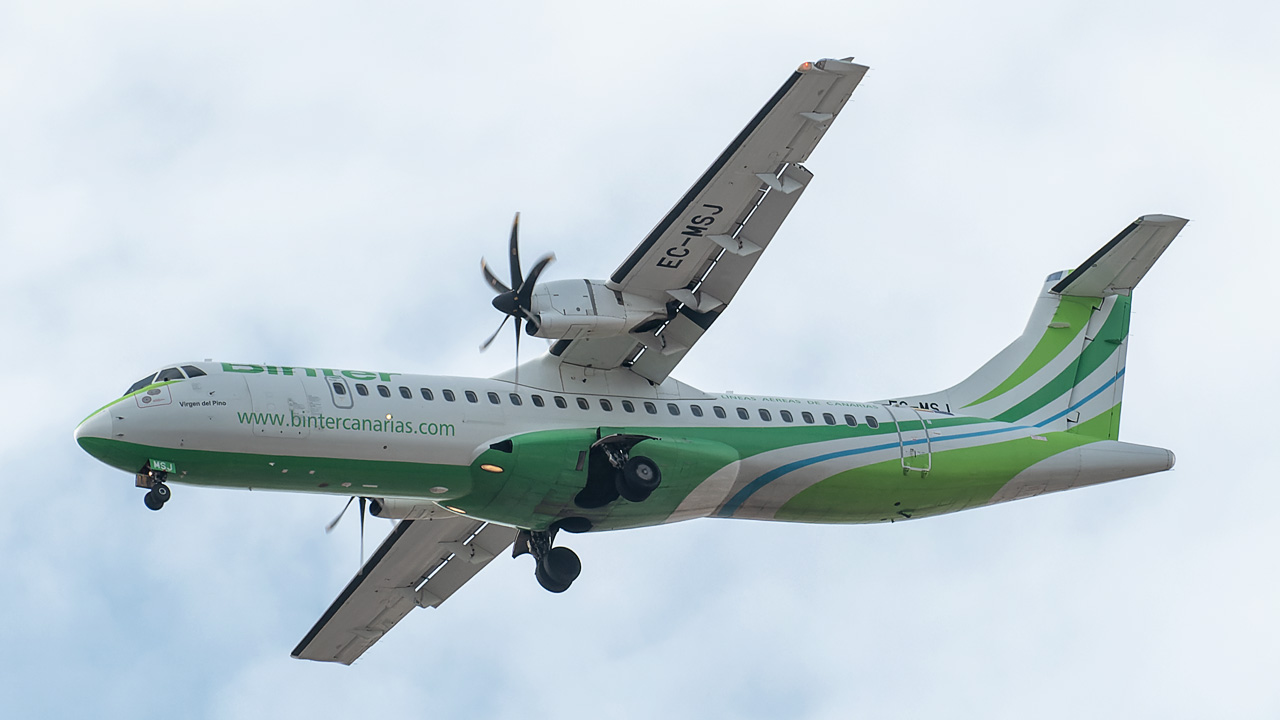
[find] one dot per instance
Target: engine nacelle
(572, 309)
(405, 509)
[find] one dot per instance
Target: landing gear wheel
(157, 496)
(557, 569)
(151, 501)
(162, 492)
(638, 478)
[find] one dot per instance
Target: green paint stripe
(1104, 345)
(1074, 311)
(1105, 425)
(880, 492)
(126, 397)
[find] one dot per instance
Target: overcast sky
(314, 183)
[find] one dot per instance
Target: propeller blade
(517, 277)
(492, 279)
(517, 350)
(524, 296)
(485, 345)
(363, 500)
(334, 523)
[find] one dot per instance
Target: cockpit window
(140, 384)
(193, 371)
(169, 374)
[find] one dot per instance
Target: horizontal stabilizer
(1121, 263)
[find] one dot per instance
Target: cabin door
(913, 439)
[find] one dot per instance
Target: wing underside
(695, 259)
(420, 564)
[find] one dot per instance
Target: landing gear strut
(556, 567)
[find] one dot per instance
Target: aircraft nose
(96, 426)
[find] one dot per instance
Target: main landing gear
(158, 492)
(556, 567)
(613, 472)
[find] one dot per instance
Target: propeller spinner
(516, 300)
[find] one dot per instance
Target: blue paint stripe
(1080, 404)
(754, 486)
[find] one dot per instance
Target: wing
(697, 256)
(420, 564)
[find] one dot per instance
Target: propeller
(515, 300)
(334, 523)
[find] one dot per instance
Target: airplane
(595, 434)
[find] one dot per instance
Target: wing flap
(419, 564)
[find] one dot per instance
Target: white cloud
(314, 184)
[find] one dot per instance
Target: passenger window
(339, 389)
(719, 411)
(515, 399)
(140, 384)
(628, 406)
(360, 388)
(742, 413)
(808, 416)
(605, 405)
(560, 403)
(193, 371)
(696, 410)
(673, 408)
(786, 416)
(471, 396)
(582, 403)
(538, 401)
(384, 391)
(872, 422)
(493, 397)
(851, 421)
(426, 394)
(828, 418)
(764, 415)
(406, 393)
(448, 395)
(169, 374)
(650, 408)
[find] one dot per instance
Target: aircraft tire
(557, 570)
(638, 479)
(152, 501)
(162, 492)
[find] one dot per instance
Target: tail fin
(1066, 371)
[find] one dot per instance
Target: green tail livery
(595, 435)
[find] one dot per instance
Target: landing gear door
(340, 392)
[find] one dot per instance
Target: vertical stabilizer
(1066, 370)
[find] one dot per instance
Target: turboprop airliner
(595, 434)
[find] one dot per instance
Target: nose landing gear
(157, 496)
(157, 493)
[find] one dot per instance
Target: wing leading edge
(695, 258)
(420, 564)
